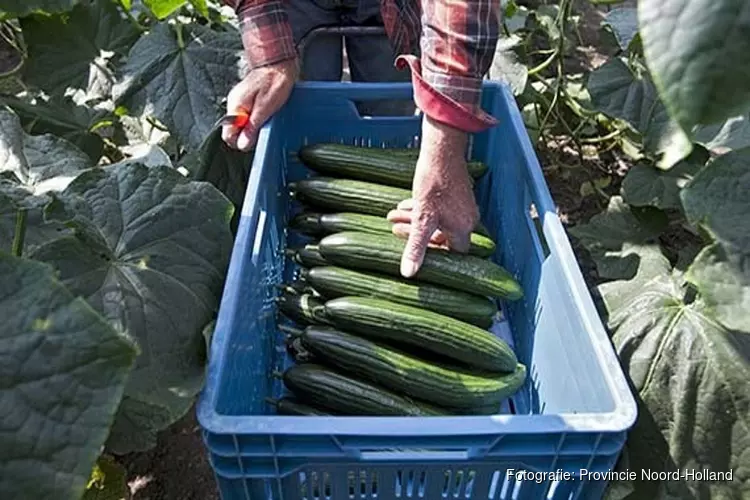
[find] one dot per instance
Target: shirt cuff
(266, 34)
(449, 99)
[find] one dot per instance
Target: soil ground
(177, 469)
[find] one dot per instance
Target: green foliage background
(106, 134)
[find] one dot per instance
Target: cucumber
(443, 335)
(296, 349)
(333, 282)
(305, 309)
(321, 386)
(308, 223)
(323, 224)
(345, 195)
(390, 167)
(290, 406)
(382, 253)
(308, 256)
(409, 375)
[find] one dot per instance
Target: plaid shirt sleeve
(266, 33)
(457, 45)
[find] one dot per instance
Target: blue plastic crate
(573, 413)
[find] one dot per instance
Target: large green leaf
(64, 370)
(690, 374)
(163, 8)
(39, 164)
(721, 137)
(507, 67)
(181, 74)
(64, 118)
(619, 93)
(138, 423)
(610, 236)
(77, 50)
(21, 8)
(723, 278)
(623, 21)
(717, 199)
(149, 253)
(226, 168)
(646, 185)
(699, 54)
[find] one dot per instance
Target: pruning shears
(238, 120)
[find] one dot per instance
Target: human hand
(442, 210)
(260, 94)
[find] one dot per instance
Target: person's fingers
(416, 244)
(229, 135)
(407, 204)
(399, 216)
(246, 139)
(459, 241)
(240, 99)
(402, 230)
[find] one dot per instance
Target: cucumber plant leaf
(163, 8)
(64, 372)
(39, 164)
(507, 67)
(227, 169)
(610, 235)
(623, 22)
(78, 50)
(721, 137)
(699, 55)
(64, 118)
(618, 92)
(149, 252)
(717, 200)
(138, 423)
(690, 374)
(22, 8)
(198, 65)
(646, 185)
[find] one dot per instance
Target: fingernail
(409, 268)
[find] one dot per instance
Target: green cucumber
(333, 282)
(391, 167)
(291, 406)
(308, 256)
(323, 387)
(382, 253)
(443, 335)
(296, 349)
(345, 195)
(304, 309)
(436, 384)
(323, 224)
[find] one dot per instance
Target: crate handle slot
(414, 455)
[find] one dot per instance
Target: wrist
(444, 146)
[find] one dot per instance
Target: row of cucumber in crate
(367, 341)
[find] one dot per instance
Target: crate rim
(617, 421)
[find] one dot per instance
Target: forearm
(444, 145)
(266, 32)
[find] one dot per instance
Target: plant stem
(544, 65)
(20, 233)
(178, 29)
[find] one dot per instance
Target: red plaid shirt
(457, 44)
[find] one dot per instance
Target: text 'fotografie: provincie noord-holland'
(624, 475)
